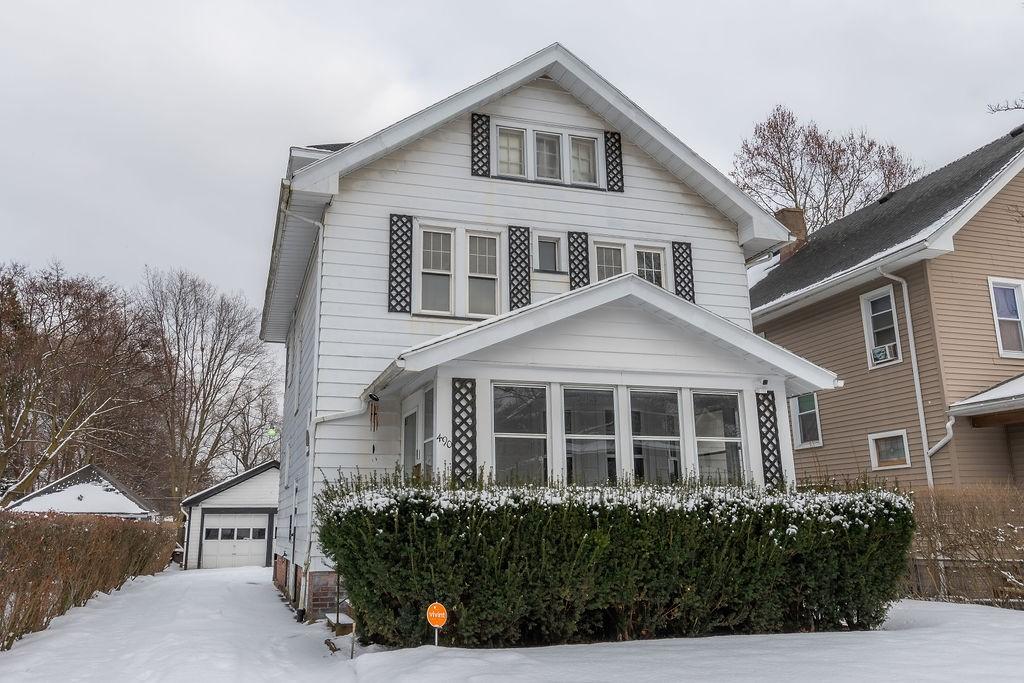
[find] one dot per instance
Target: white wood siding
(430, 179)
(260, 491)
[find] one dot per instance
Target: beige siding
(831, 334)
(1015, 442)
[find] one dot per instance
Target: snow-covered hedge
(533, 565)
(50, 563)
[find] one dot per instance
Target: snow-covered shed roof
(801, 375)
(89, 490)
(917, 221)
(1008, 395)
(200, 496)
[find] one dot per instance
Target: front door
(409, 445)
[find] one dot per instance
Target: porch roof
(801, 375)
(1000, 398)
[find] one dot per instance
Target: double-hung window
(654, 418)
(584, 160)
(589, 435)
(650, 265)
(609, 261)
(1007, 305)
(719, 441)
(483, 275)
(803, 412)
(436, 293)
(881, 334)
(520, 434)
(548, 156)
(512, 152)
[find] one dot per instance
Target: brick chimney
(794, 221)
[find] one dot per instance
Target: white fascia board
(987, 407)
(496, 330)
(602, 97)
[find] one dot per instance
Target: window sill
(887, 364)
(885, 468)
(549, 183)
(808, 445)
(561, 272)
(1012, 355)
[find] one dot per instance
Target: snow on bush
(544, 565)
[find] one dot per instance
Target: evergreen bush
(541, 566)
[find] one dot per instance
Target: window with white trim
(889, 450)
(512, 152)
(483, 275)
(520, 433)
(436, 274)
(609, 261)
(548, 155)
(657, 444)
(717, 418)
(650, 265)
(539, 152)
(1007, 304)
(584, 160)
(803, 412)
(548, 254)
(589, 435)
(881, 330)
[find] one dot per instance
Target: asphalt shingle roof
(873, 229)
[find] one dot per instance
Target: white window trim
(746, 473)
(865, 314)
(563, 250)
(548, 417)
(680, 438)
(629, 248)
(497, 150)
(637, 248)
(1018, 286)
(874, 449)
(614, 438)
(459, 291)
(497, 271)
(566, 133)
(597, 160)
(794, 419)
(608, 245)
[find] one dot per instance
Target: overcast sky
(156, 133)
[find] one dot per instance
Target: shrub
(51, 563)
(528, 566)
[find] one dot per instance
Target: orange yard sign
(437, 615)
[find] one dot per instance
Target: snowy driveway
(230, 625)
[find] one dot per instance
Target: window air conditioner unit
(884, 353)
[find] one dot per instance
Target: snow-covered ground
(230, 625)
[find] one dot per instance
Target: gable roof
(199, 497)
(921, 216)
(87, 490)
(801, 375)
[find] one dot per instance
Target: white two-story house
(531, 280)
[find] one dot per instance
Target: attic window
(547, 154)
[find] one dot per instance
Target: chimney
(794, 221)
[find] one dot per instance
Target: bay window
(520, 434)
(654, 418)
(437, 272)
(589, 436)
(719, 441)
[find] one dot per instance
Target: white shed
(231, 524)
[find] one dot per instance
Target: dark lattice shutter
(613, 161)
(518, 266)
(400, 264)
(579, 260)
(682, 268)
(771, 452)
(480, 145)
(463, 429)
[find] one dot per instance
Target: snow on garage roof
(88, 490)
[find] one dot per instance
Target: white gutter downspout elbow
(923, 424)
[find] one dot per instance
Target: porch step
(340, 623)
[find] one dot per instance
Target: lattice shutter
(480, 145)
(463, 429)
(518, 266)
(771, 452)
(579, 260)
(400, 264)
(613, 161)
(682, 266)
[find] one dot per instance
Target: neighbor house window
(589, 435)
(609, 261)
(806, 424)
(437, 272)
(881, 333)
(719, 439)
(511, 152)
(650, 265)
(889, 450)
(547, 253)
(584, 160)
(520, 434)
(549, 156)
(654, 418)
(1006, 307)
(483, 275)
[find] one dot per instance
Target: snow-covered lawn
(230, 625)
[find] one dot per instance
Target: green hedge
(530, 566)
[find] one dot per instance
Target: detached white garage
(232, 524)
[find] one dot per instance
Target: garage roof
(197, 498)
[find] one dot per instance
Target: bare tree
(211, 366)
(1007, 105)
(255, 431)
(787, 163)
(71, 364)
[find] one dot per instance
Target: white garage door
(234, 540)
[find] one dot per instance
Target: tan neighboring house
(916, 301)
